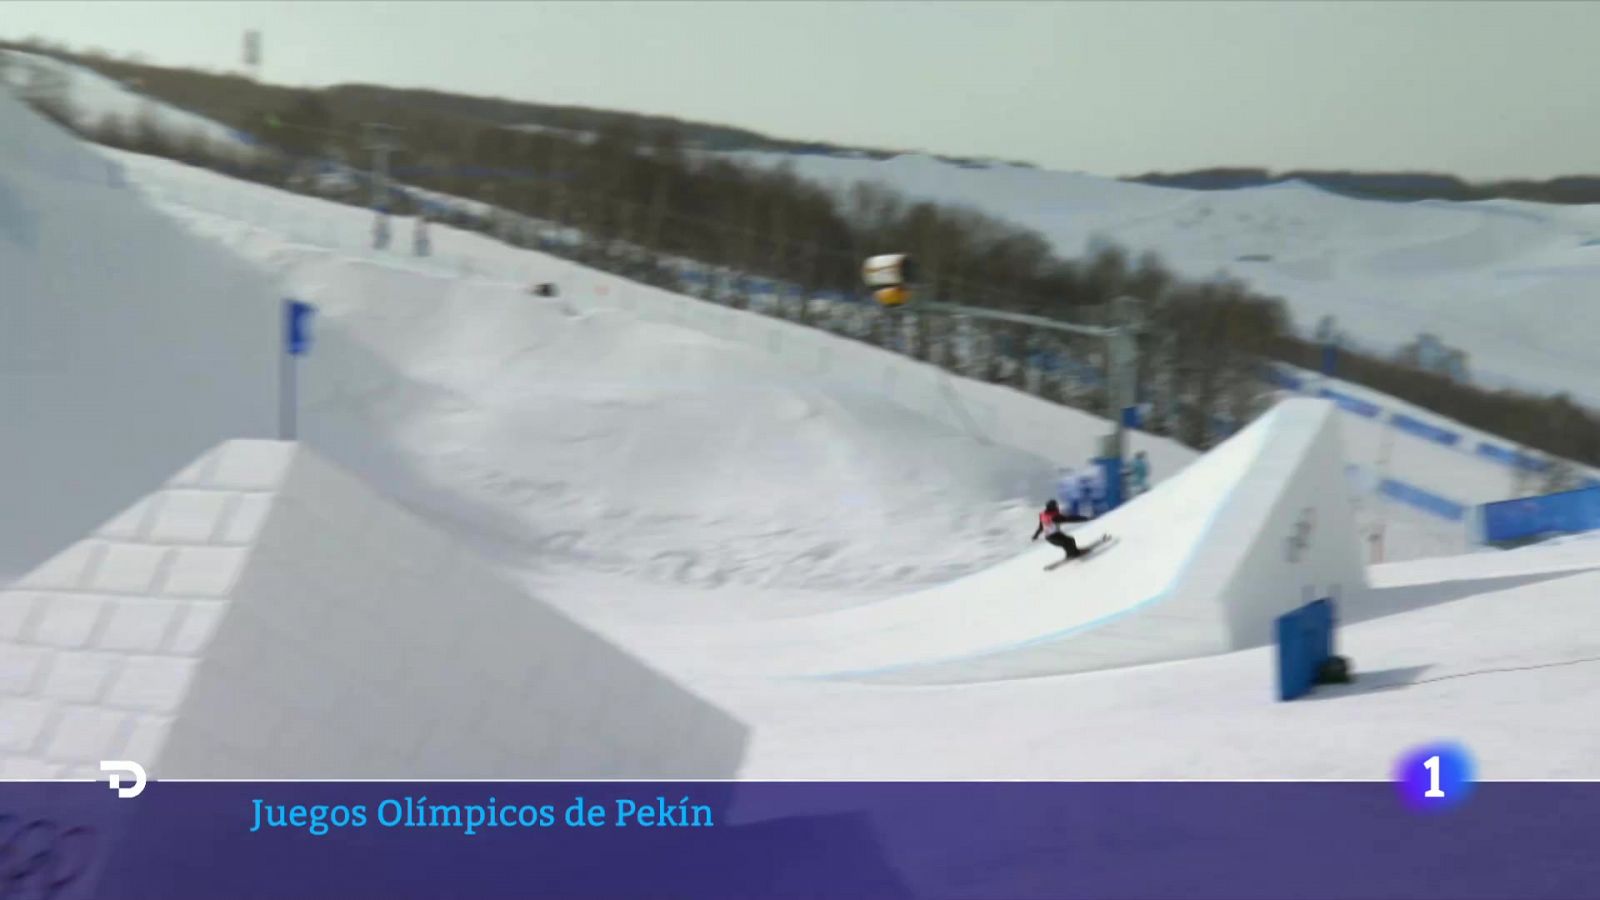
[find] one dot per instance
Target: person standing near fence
(1091, 493)
(1139, 475)
(1067, 489)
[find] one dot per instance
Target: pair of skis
(1100, 543)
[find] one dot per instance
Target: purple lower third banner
(751, 839)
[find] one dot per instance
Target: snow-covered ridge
(1511, 282)
(91, 98)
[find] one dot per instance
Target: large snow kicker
(1203, 564)
(127, 346)
(265, 615)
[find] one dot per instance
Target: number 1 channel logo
(1435, 777)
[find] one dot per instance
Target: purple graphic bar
(837, 840)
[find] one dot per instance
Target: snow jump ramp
(127, 346)
(1203, 564)
(265, 615)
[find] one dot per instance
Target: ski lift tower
(1122, 368)
(890, 276)
(1121, 337)
(252, 54)
(382, 140)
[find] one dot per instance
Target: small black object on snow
(1335, 670)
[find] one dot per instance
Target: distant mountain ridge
(1566, 189)
(225, 97)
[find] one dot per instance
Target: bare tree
(1561, 475)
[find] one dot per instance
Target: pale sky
(1478, 89)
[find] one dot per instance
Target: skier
(1050, 522)
(1140, 474)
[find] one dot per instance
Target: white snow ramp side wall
(127, 347)
(268, 616)
(1204, 564)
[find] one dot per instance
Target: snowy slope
(93, 97)
(575, 424)
(313, 242)
(1512, 283)
(1511, 673)
(1414, 240)
(467, 373)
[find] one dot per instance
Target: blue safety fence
(1051, 363)
(1418, 428)
(479, 173)
(1351, 403)
(1567, 512)
(1415, 426)
(1514, 458)
(1280, 378)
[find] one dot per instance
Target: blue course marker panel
(1305, 641)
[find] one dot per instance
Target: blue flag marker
(296, 342)
(297, 330)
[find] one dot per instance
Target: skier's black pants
(1066, 543)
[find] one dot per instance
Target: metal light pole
(296, 342)
(1122, 369)
(381, 140)
(252, 54)
(1122, 352)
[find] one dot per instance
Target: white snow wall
(1286, 534)
(267, 615)
(127, 347)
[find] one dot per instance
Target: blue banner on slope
(1417, 498)
(1428, 432)
(718, 840)
(1514, 458)
(1351, 403)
